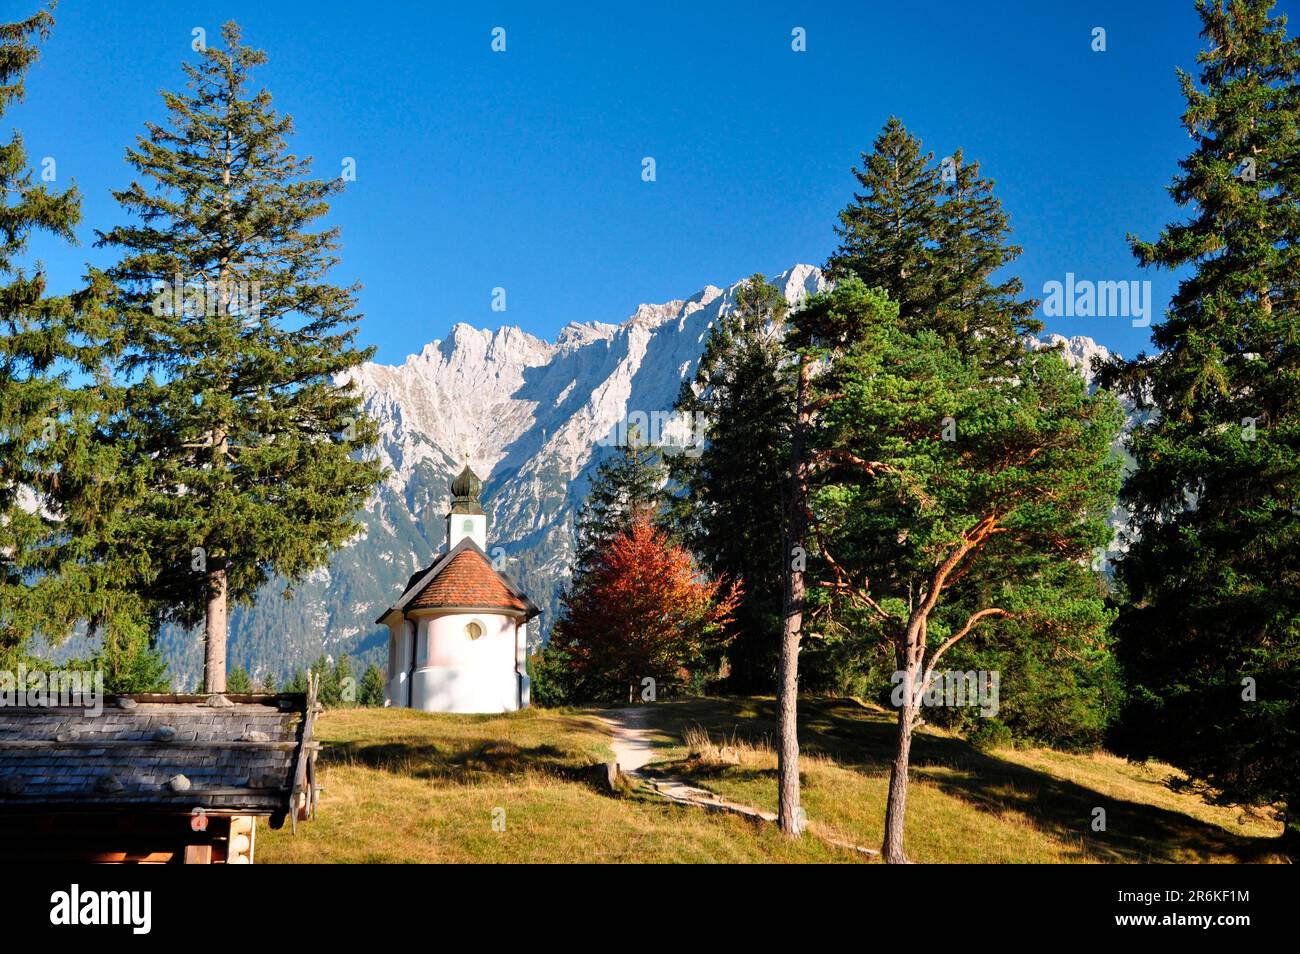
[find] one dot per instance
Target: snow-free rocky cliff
(527, 414)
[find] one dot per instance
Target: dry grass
(403, 786)
(964, 805)
(704, 750)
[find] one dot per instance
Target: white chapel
(458, 636)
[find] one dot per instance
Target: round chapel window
(473, 630)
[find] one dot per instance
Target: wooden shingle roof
(462, 578)
(249, 756)
(467, 580)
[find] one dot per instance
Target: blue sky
(522, 169)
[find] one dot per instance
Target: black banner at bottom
(137, 905)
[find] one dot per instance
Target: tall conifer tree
(889, 232)
(1210, 640)
(626, 484)
(230, 342)
(942, 502)
(744, 388)
(973, 311)
(932, 236)
(38, 469)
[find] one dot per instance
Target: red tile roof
(468, 580)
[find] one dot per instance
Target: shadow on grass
(862, 740)
(468, 765)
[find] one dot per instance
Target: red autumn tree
(642, 610)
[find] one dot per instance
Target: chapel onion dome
(465, 489)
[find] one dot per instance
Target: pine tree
(819, 332)
(372, 689)
(229, 341)
(628, 483)
(731, 512)
(889, 233)
(933, 237)
(1210, 638)
(346, 681)
(643, 612)
(239, 681)
(943, 502)
(34, 392)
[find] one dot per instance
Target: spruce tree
(28, 388)
(346, 681)
(731, 510)
(932, 236)
(328, 690)
(371, 691)
(888, 233)
(1210, 638)
(52, 499)
(229, 342)
(239, 681)
(973, 311)
(625, 484)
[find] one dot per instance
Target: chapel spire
(466, 517)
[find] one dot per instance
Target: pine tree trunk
(909, 658)
(214, 633)
(896, 807)
(789, 814)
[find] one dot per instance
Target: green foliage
(888, 232)
(52, 498)
(268, 682)
(932, 236)
(328, 691)
(130, 662)
(345, 682)
(226, 343)
(1062, 693)
(239, 681)
(730, 510)
(625, 484)
(296, 683)
(990, 494)
(550, 682)
(372, 689)
(1212, 570)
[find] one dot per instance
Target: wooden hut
(154, 778)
